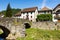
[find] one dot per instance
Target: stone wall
(46, 25)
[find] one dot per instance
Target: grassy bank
(38, 34)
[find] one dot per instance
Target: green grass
(38, 34)
(1, 31)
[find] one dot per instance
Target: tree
(8, 11)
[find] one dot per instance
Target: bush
(44, 17)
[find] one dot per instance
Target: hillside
(14, 11)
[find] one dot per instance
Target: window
(45, 12)
(56, 14)
(27, 13)
(27, 16)
(48, 11)
(31, 20)
(23, 13)
(20, 14)
(31, 12)
(31, 16)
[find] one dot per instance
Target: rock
(10, 37)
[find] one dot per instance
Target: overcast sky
(28, 3)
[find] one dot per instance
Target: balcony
(57, 17)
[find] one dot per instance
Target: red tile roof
(29, 9)
(26, 10)
(45, 8)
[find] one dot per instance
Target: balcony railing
(57, 17)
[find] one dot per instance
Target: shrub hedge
(44, 17)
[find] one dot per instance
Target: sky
(28, 3)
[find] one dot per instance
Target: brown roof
(29, 9)
(57, 6)
(26, 10)
(45, 8)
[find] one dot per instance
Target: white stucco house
(28, 13)
(56, 14)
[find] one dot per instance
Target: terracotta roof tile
(26, 10)
(29, 9)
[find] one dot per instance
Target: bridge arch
(27, 25)
(5, 32)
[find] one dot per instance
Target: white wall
(45, 13)
(31, 15)
(34, 15)
(23, 16)
(54, 20)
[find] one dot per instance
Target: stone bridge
(13, 26)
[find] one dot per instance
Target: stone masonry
(17, 27)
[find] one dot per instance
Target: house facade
(56, 13)
(28, 13)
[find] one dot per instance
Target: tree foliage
(14, 11)
(44, 17)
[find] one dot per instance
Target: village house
(45, 10)
(56, 13)
(31, 13)
(28, 13)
